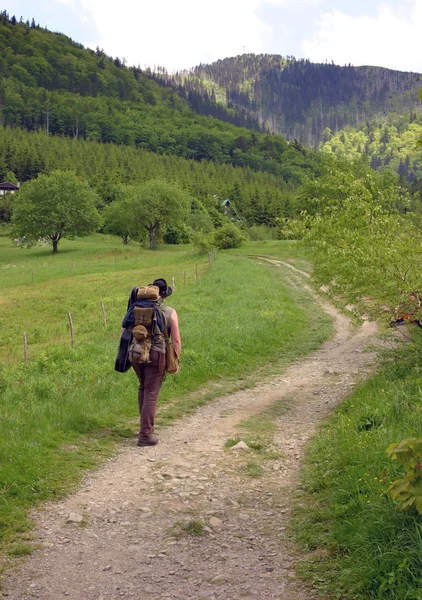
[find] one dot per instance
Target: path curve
(124, 548)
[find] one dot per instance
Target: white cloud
(178, 34)
(391, 38)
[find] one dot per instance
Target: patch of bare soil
(130, 543)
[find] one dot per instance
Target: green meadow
(64, 410)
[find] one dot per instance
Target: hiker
(151, 374)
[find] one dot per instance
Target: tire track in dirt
(131, 506)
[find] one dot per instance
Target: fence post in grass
(25, 348)
(104, 314)
(72, 335)
(184, 279)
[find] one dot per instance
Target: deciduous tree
(54, 206)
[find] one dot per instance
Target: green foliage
(407, 491)
(228, 236)
(202, 242)
(155, 206)
(118, 220)
(54, 206)
(6, 207)
(361, 243)
(108, 166)
(389, 143)
(258, 233)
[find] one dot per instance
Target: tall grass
(60, 411)
(370, 549)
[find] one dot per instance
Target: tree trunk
(152, 238)
(55, 244)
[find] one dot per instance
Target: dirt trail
(123, 549)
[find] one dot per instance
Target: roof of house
(6, 185)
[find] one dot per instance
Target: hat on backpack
(165, 290)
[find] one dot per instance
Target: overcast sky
(180, 34)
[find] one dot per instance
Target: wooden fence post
(25, 348)
(72, 335)
(104, 314)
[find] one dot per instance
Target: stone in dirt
(240, 446)
(74, 518)
(218, 579)
(215, 523)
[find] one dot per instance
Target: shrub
(228, 236)
(259, 233)
(407, 491)
(202, 242)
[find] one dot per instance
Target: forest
(49, 82)
(296, 98)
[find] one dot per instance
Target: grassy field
(61, 412)
(360, 546)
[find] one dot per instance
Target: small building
(7, 187)
(230, 210)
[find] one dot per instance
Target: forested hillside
(296, 98)
(389, 143)
(260, 198)
(49, 82)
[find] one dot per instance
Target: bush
(177, 235)
(259, 233)
(202, 242)
(228, 236)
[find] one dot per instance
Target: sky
(180, 34)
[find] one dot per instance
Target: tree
(119, 219)
(54, 206)
(157, 205)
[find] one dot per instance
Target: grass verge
(359, 545)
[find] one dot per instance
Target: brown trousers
(150, 377)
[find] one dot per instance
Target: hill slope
(297, 98)
(48, 81)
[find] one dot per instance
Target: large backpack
(146, 321)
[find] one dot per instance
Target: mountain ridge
(298, 99)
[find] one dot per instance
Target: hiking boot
(151, 440)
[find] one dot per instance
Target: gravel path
(129, 543)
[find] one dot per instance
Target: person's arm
(175, 333)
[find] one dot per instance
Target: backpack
(145, 320)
